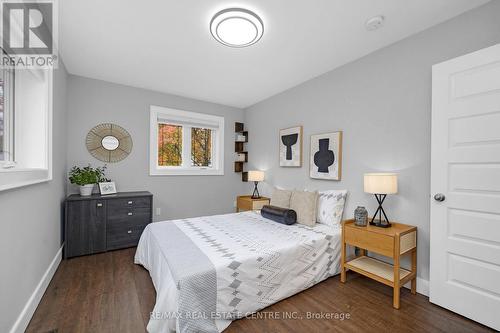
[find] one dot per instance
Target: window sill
(186, 172)
(15, 178)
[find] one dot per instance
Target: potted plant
(86, 178)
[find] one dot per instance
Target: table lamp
(255, 176)
(381, 184)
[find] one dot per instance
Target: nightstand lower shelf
(377, 270)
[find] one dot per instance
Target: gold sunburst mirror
(109, 143)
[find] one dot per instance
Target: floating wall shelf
(241, 155)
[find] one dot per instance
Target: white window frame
(178, 117)
(13, 175)
(8, 123)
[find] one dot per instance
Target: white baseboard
(422, 286)
(29, 309)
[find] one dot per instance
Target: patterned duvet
(208, 271)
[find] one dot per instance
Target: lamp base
(256, 194)
(380, 224)
(380, 211)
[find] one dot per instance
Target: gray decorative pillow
(331, 206)
(281, 198)
(305, 204)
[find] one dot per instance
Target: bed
(208, 271)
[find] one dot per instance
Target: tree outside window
(201, 147)
(169, 145)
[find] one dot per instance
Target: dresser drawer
(129, 214)
(378, 243)
(143, 202)
(120, 236)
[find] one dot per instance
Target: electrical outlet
(234, 204)
(158, 211)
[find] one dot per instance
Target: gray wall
(382, 102)
(31, 219)
(92, 102)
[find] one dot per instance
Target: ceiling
(166, 46)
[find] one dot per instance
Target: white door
(465, 176)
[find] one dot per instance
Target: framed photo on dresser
(290, 143)
(326, 156)
(107, 188)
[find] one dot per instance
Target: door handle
(439, 197)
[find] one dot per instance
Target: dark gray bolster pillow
(278, 214)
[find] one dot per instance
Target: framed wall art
(291, 147)
(326, 156)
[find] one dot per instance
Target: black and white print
(107, 188)
(291, 147)
(326, 156)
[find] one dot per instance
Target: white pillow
(331, 206)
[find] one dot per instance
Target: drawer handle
(99, 204)
(129, 232)
(130, 202)
(130, 214)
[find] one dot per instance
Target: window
(25, 127)
(6, 112)
(186, 143)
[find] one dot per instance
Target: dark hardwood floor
(108, 293)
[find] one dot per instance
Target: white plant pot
(86, 190)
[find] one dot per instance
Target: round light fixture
(374, 23)
(236, 27)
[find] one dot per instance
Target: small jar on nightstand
(246, 202)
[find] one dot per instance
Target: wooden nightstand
(245, 202)
(395, 241)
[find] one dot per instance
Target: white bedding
(258, 262)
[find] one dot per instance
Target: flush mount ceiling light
(236, 27)
(374, 23)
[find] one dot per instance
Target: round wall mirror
(109, 143)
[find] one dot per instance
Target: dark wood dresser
(101, 223)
